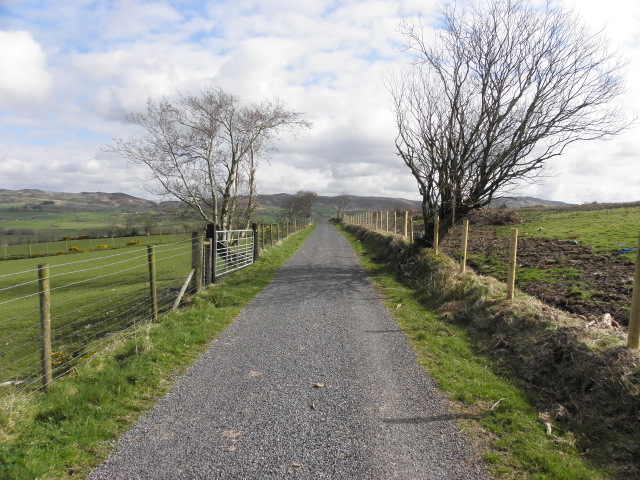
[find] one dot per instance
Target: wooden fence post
(196, 260)
(513, 252)
(45, 324)
(436, 233)
(209, 254)
(256, 251)
(152, 283)
(405, 224)
(463, 247)
(633, 337)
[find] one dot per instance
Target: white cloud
(25, 81)
(86, 63)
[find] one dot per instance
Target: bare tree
(302, 203)
(204, 150)
(342, 203)
(289, 208)
(504, 87)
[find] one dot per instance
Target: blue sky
(71, 69)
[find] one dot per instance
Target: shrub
(102, 247)
(134, 242)
(75, 249)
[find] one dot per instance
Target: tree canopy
(504, 86)
(204, 150)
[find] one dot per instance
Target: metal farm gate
(228, 251)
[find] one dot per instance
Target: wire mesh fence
(54, 315)
(89, 301)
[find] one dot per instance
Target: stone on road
(313, 380)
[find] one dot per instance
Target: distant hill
(390, 204)
(522, 202)
(357, 202)
(84, 201)
(98, 201)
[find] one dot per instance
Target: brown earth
(573, 277)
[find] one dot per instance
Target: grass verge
(73, 428)
(518, 440)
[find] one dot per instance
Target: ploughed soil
(561, 273)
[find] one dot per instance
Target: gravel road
(313, 380)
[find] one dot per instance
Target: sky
(71, 69)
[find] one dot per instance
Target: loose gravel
(313, 380)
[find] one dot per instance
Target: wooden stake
(197, 260)
(45, 324)
(633, 337)
(513, 251)
(405, 225)
(463, 247)
(436, 233)
(152, 283)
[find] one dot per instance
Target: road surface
(313, 380)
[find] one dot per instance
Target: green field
(76, 244)
(93, 295)
(606, 230)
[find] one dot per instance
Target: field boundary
(583, 381)
(403, 223)
(58, 314)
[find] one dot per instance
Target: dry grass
(583, 379)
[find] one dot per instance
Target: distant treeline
(29, 207)
(16, 231)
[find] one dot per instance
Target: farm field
(578, 259)
(93, 295)
(82, 245)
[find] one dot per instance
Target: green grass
(605, 230)
(69, 430)
(105, 292)
(492, 408)
(36, 250)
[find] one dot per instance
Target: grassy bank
(71, 429)
(545, 398)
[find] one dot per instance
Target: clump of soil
(574, 278)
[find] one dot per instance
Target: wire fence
(55, 315)
(406, 224)
(89, 301)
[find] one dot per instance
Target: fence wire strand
(96, 301)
